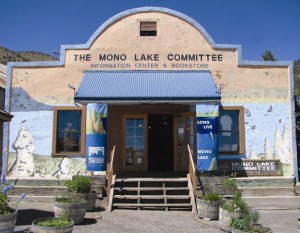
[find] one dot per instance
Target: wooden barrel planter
(90, 198)
(225, 217)
(208, 210)
(73, 210)
(51, 229)
(8, 222)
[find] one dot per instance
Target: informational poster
(96, 137)
(207, 136)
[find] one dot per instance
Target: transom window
(231, 130)
(148, 28)
(68, 131)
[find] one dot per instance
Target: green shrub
(229, 182)
(53, 222)
(79, 184)
(247, 216)
(242, 224)
(68, 200)
(236, 204)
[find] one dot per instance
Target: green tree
(296, 72)
(268, 56)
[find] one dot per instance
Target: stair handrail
(110, 171)
(192, 170)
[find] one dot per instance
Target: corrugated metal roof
(147, 85)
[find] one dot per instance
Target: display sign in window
(69, 131)
(231, 130)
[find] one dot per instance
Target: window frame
(83, 131)
(241, 149)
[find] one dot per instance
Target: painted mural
(25, 163)
(267, 133)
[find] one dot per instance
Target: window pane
(229, 131)
(135, 141)
(68, 131)
(129, 142)
(139, 123)
(129, 123)
(129, 132)
(140, 132)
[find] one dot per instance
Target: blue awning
(120, 86)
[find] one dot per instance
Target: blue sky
(257, 25)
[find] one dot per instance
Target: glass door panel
(184, 134)
(134, 151)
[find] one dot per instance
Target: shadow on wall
(23, 102)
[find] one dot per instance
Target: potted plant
(52, 225)
(236, 216)
(70, 207)
(8, 212)
(208, 206)
(81, 187)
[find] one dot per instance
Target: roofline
(131, 102)
(126, 13)
(101, 29)
(145, 98)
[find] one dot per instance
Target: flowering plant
(5, 208)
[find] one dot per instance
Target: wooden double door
(157, 142)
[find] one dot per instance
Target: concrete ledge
(297, 188)
(34, 198)
(280, 181)
(39, 190)
(35, 181)
(267, 191)
(274, 202)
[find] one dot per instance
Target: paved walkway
(130, 221)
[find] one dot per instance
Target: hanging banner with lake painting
(207, 136)
(96, 137)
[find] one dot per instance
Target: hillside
(7, 55)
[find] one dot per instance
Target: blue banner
(207, 116)
(96, 137)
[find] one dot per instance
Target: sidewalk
(129, 221)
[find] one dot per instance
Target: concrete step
(47, 186)
(20, 181)
(280, 181)
(274, 202)
(297, 188)
(267, 191)
(31, 198)
(39, 190)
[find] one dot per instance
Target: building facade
(146, 82)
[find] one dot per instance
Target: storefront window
(231, 130)
(134, 141)
(68, 131)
